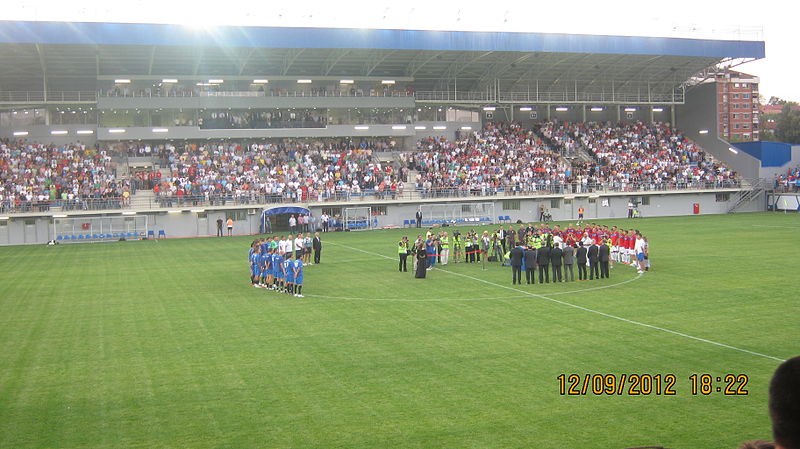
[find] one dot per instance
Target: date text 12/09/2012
(650, 384)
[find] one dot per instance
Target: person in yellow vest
(458, 246)
(444, 245)
(403, 251)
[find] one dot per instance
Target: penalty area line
(586, 309)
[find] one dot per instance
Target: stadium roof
(74, 56)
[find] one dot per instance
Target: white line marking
(586, 309)
(413, 299)
(774, 226)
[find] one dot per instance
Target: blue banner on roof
(91, 33)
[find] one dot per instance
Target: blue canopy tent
(278, 211)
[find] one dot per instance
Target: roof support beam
(244, 62)
(290, 58)
(44, 70)
(152, 59)
(372, 65)
(330, 63)
(496, 70)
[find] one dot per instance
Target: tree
(788, 127)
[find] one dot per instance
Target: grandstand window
(237, 215)
(511, 205)
(592, 200)
(567, 202)
(202, 215)
(30, 221)
(555, 203)
(332, 211)
(466, 208)
(379, 210)
(723, 197)
(645, 201)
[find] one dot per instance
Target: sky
(769, 20)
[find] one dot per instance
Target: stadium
(128, 148)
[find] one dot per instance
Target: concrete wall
(700, 113)
(193, 132)
(41, 134)
(252, 102)
(29, 230)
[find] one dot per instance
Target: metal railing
(192, 93)
(676, 97)
(54, 96)
(255, 199)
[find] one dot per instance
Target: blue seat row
(109, 236)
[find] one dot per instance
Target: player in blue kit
(264, 262)
(255, 267)
(280, 274)
(275, 268)
(298, 278)
(288, 266)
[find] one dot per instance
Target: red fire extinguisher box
(696, 208)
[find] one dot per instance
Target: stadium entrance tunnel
(277, 218)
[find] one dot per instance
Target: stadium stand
(36, 177)
(511, 159)
(789, 182)
(275, 172)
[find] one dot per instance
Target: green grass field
(165, 344)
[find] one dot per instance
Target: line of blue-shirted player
(273, 268)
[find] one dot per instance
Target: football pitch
(165, 344)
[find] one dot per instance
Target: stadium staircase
(753, 191)
(143, 199)
(580, 153)
(410, 187)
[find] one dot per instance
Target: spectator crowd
(505, 158)
(34, 176)
(511, 159)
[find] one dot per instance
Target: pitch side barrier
(16, 206)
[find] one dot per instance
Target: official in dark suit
(603, 255)
(580, 258)
(419, 218)
(530, 265)
(555, 261)
(569, 261)
(516, 265)
(316, 245)
(511, 238)
(593, 255)
(501, 235)
(543, 260)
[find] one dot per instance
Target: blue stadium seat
(162, 234)
(95, 236)
(151, 234)
(58, 237)
(80, 236)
